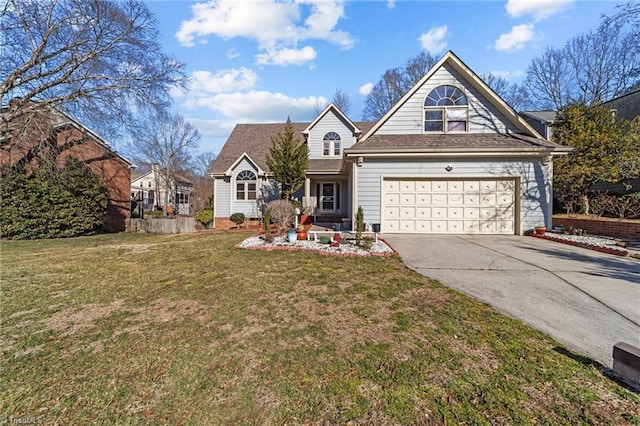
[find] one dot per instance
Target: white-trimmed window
(331, 144)
(246, 185)
(446, 110)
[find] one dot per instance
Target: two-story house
(149, 189)
(450, 157)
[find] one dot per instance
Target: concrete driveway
(585, 299)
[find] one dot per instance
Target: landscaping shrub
(359, 225)
(52, 202)
(283, 214)
(205, 217)
(237, 218)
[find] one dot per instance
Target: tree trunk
(585, 204)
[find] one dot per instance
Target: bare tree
(516, 95)
(590, 68)
(99, 60)
(168, 141)
(202, 163)
(340, 99)
(394, 84)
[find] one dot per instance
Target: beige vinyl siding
(329, 123)
(483, 117)
(534, 194)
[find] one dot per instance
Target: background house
(148, 191)
(450, 157)
(66, 137)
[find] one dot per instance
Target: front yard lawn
(156, 329)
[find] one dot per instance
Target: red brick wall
(627, 229)
(113, 172)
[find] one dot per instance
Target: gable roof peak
(338, 112)
(472, 78)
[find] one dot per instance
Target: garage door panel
(407, 186)
(439, 199)
(471, 212)
(423, 212)
(391, 186)
(439, 226)
(423, 226)
(472, 226)
(439, 186)
(458, 206)
(455, 212)
(423, 186)
(407, 199)
(455, 226)
(471, 199)
(408, 212)
(471, 186)
(391, 199)
(488, 186)
(392, 212)
(423, 199)
(392, 225)
(456, 199)
(439, 212)
(455, 186)
(407, 225)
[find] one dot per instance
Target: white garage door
(469, 206)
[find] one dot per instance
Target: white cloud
(269, 22)
(539, 9)
(516, 39)
(365, 89)
(508, 75)
(258, 106)
(222, 81)
(286, 56)
(391, 4)
(232, 53)
(433, 41)
(214, 128)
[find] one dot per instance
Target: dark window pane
(433, 126)
(251, 195)
(433, 115)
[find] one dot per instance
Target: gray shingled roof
(627, 106)
(255, 140)
(545, 116)
(444, 142)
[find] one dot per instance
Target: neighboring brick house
(71, 139)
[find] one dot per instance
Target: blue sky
(266, 60)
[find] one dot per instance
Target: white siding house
(450, 157)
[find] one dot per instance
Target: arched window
(331, 144)
(446, 110)
(246, 185)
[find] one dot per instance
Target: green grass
(150, 329)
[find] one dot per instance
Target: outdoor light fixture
(449, 168)
(359, 161)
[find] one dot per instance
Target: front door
(328, 197)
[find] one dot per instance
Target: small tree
(606, 149)
(282, 214)
(288, 160)
(359, 225)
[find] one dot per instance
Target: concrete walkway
(584, 299)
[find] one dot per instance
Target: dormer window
(331, 144)
(446, 110)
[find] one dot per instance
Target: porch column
(307, 191)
